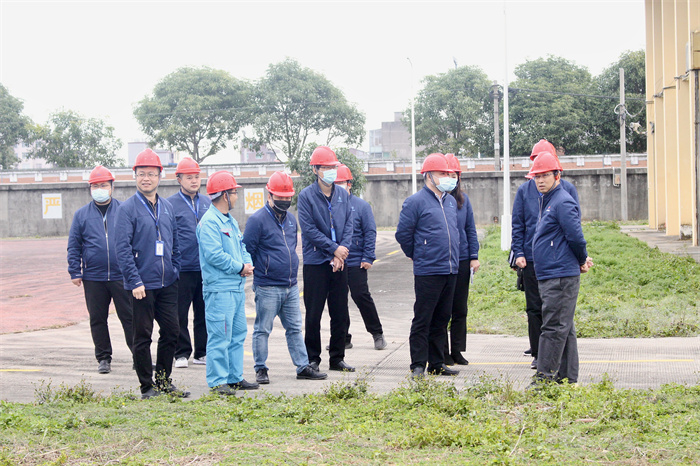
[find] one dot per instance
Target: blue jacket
(468, 241)
(222, 253)
(558, 246)
(315, 221)
(525, 214)
(272, 245)
(187, 215)
(136, 244)
(92, 254)
(364, 233)
(427, 233)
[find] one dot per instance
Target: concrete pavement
(65, 355)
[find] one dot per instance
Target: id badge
(333, 234)
(160, 248)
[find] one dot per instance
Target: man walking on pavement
(225, 265)
(271, 240)
(326, 233)
(92, 262)
(149, 258)
(560, 257)
(524, 222)
(189, 207)
(360, 260)
(427, 233)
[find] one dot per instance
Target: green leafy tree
(559, 117)
(71, 140)
(13, 127)
(295, 103)
(300, 165)
(606, 120)
(452, 113)
(196, 110)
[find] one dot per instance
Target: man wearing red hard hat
(92, 262)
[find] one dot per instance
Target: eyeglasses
(149, 175)
(233, 191)
(543, 176)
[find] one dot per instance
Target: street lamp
(413, 134)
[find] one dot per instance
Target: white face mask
(344, 186)
(100, 195)
(447, 184)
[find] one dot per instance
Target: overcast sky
(100, 58)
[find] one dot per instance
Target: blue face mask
(447, 184)
(329, 176)
(100, 195)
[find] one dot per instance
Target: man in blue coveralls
(225, 264)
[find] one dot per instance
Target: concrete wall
(21, 205)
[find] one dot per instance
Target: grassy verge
(426, 422)
(633, 290)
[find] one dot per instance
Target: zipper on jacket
(162, 263)
(449, 237)
(109, 267)
(284, 235)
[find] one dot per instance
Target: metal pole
(496, 130)
(506, 218)
(623, 148)
(414, 188)
(696, 236)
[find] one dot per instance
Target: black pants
(189, 291)
(161, 305)
(97, 298)
(533, 307)
(359, 291)
(457, 341)
(431, 313)
(321, 284)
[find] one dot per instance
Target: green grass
(418, 423)
(632, 291)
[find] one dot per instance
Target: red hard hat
(453, 163)
(344, 174)
(281, 184)
(187, 166)
(544, 162)
(221, 181)
(100, 174)
(324, 156)
(435, 163)
(542, 146)
(147, 158)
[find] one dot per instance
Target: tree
(606, 120)
(452, 113)
(558, 116)
(300, 165)
(295, 103)
(195, 110)
(70, 140)
(13, 127)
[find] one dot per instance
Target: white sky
(100, 58)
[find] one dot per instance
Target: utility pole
(496, 95)
(506, 218)
(414, 187)
(623, 148)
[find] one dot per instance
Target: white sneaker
(181, 363)
(200, 361)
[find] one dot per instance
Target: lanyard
(281, 224)
(190, 203)
(155, 217)
(330, 212)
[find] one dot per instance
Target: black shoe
(104, 367)
(223, 389)
(449, 361)
(527, 352)
(341, 366)
(261, 376)
(442, 370)
(348, 345)
(151, 393)
(534, 364)
(314, 365)
(418, 372)
(459, 359)
(244, 385)
(309, 373)
(379, 341)
(174, 391)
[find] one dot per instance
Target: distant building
(250, 155)
(26, 163)
(167, 157)
(392, 141)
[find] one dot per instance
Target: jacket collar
(548, 195)
(334, 191)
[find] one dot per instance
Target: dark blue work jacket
(558, 246)
(272, 245)
(188, 213)
(136, 244)
(92, 253)
(526, 207)
(315, 215)
(364, 233)
(468, 241)
(427, 233)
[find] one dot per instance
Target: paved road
(65, 355)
